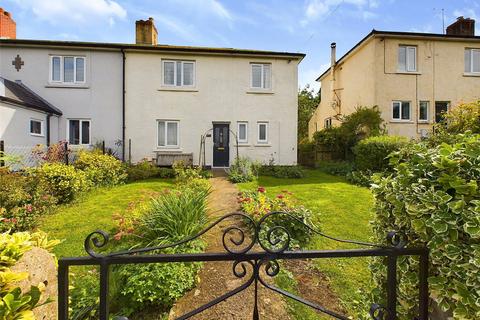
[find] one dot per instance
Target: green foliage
(173, 216)
(308, 101)
(433, 198)
(360, 177)
(288, 172)
(242, 170)
(364, 122)
(462, 118)
(337, 168)
(62, 181)
(257, 204)
(22, 201)
(372, 153)
(145, 170)
(15, 305)
(101, 169)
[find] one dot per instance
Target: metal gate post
(62, 290)
(392, 286)
(424, 295)
(104, 274)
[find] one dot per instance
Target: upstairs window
(327, 123)
(261, 76)
(472, 60)
(36, 127)
(78, 131)
(178, 73)
(242, 133)
(67, 69)
(407, 58)
(167, 133)
(401, 110)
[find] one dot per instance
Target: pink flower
(29, 207)
(261, 189)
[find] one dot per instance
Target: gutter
(47, 133)
(123, 104)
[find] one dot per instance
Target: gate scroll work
(254, 248)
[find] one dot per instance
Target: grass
(341, 210)
(93, 211)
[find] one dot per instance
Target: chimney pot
(146, 32)
(462, 27)
(8, 27)
(333, 56)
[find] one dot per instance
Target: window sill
(423, 122)
(168, 149)
(253, 91)
(70, 86)
(409, 72)
(179, 89)
(243, 145)
(37, 135)
(471, 74)
(401, 121)
(263, 145)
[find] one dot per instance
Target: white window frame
(61, 81)
(42, 128)
(470, 52)
(169, 146)
(400, 111)
(80, 131)
(428, 111)
(407, 47)
(175, 73)
(262, 81)
(262, 141)
(246, 132)
(327, 123)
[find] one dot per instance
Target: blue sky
(307, 26)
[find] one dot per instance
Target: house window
(78, 131)
(423, 108)
(67, 69)
(167, 133)
(262, 132)
(242, 133)
(261, 76)
(328, 123)
(407, 59)
(472, 60)
(36, 127)
(178, 73)
(401, 110)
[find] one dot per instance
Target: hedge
(433, 198)
(372, 153)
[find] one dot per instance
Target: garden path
(216, 278)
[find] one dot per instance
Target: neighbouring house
(412, 77)
(162, 102)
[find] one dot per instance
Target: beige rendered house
(411, 77)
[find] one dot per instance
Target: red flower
(280, 196)
(261, 189)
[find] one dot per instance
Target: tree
(308, 101)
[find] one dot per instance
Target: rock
(41, 267)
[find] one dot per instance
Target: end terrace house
(162, 102)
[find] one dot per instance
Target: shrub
(54, 153)
(372, 153)
(101, 169)
(360, 178)
(462, 118)
(62, 181)
(145, 170)
(286, 172)
(257, 204)
(433, 198)
(364, 122)
(337, 168)
(22, 200)
(242, 170)
(15, 304)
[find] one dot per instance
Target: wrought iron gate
(251, 247)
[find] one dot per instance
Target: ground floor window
(328, 123)
(262, 132)
(78, 131)
(401, 110)
(242, 133)
(36, 127)
(423, 110)
(441, 107)
(167, 133)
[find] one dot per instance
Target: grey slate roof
(18, 93)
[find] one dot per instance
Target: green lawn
(93, 211)
(342, 210)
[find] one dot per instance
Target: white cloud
(425, 29)
(318, 8)
(308, 76)
(58, 12)
(179, 28)
(466, 13)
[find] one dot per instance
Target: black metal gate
(251, 246)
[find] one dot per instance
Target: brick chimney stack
(462, 27)
(8, 27)
(145, 32)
